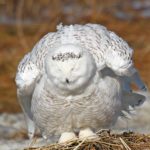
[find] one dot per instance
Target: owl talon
(87, 134)
(66, 137)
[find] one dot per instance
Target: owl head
(70, 67)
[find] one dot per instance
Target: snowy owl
(76, 81)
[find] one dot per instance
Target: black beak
(67, 81)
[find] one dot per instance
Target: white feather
(63, 85)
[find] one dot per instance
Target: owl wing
(117, 56)
(26, 78)
(29, 72)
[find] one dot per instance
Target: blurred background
(24, 22)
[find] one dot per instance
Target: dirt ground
(14, 44)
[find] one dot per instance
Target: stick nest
(105, 141)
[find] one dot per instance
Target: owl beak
(67, 80)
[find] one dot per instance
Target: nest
(105, 141)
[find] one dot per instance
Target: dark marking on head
(65, 56)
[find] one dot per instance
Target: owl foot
(67, 136)
(87, 134)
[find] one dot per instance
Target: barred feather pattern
(95, 38)
(55, 114)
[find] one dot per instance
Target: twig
(124, 144)
(79, 144)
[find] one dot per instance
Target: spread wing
(26, 78)
(119, 58)
(29, 72)
(117, 55)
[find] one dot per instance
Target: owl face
(70, 67)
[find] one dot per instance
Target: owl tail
(130, 101)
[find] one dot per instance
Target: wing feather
(26, 78)
(117, 55)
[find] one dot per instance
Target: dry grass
(105, 141)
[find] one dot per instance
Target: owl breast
(55, 114)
